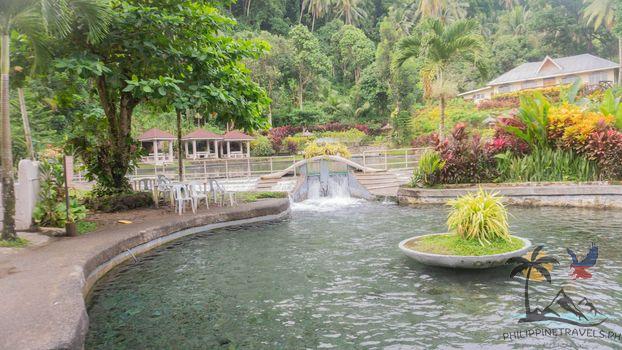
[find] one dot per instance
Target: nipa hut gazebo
(234, 145)
(202, 143)
(155, 141)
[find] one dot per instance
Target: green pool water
(331, 276)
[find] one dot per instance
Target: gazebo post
(228, 149)
(186, 147)
(155, 151)
(248, 149)
(216, 148)
(170, 150)
(194, 149)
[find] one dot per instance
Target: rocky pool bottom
(331, 276)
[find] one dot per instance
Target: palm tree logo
(538, 267)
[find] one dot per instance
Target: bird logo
(579, 268)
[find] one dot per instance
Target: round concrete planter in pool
(460, 261)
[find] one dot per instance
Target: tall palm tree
(36, 19)
(533, 263)
(438, 47)
(603, 13)
(350, 10)
(317, 8)
(442, 9)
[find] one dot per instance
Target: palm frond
(96, 15)
(30, 23)
(535, 252)
(407, 48)
(543, 271)
(518, 269)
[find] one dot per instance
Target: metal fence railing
(391, 159)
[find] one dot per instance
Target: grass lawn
(451, 244)
(248, 197)
(18, 243)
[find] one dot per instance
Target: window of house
(505, 88)
(529, 84)
(570, 79)
(549, 82)
(597, 77)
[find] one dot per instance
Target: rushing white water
(336, 195)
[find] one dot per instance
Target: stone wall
(26, 194)
(595, 195)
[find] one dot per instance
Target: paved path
(42, 289)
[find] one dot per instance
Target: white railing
(390, 159)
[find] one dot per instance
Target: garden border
(43, 290)
(588, 195)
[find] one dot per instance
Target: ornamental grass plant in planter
(479, 236)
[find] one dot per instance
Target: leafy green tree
(272, 67)
(355, 51)
(35, 19)
(309, 60)
(438, 47)
(170, 51)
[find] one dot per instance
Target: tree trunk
(180, 161)
(24, 112)
(300, 90)
(313, 23)
(8, 191)
(248, 7)
(114, 160)
(620, 61)
(441, 128)
(270, 104)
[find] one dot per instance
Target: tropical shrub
(261, 147)
(504, 141)
(120, 202)
(611, 106)
(315, 149)
(276, 136)
(350, 137)
(428, 169)
(296, 142)
(51, 209)
(465, 157)
(480, 216)
(545, 164)
(427, 118)
(570, 126)
(604, 147)
(533, 115)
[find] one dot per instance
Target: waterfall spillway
(324, 181)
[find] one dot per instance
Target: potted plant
(479, 236)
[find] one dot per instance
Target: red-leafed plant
(466, 158)
(604, 146)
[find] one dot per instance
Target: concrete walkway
(42, 289)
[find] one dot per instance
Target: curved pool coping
(43, 290)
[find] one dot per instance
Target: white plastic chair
(182, 196)
(199, 193)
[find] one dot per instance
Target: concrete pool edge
(585, 195)
(43, 290)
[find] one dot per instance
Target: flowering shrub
(350, 136)
(604, 146)
(261, 147)
(570, 126)
(466, 159)
(315, 149)
(497, 104)
(276, 136)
